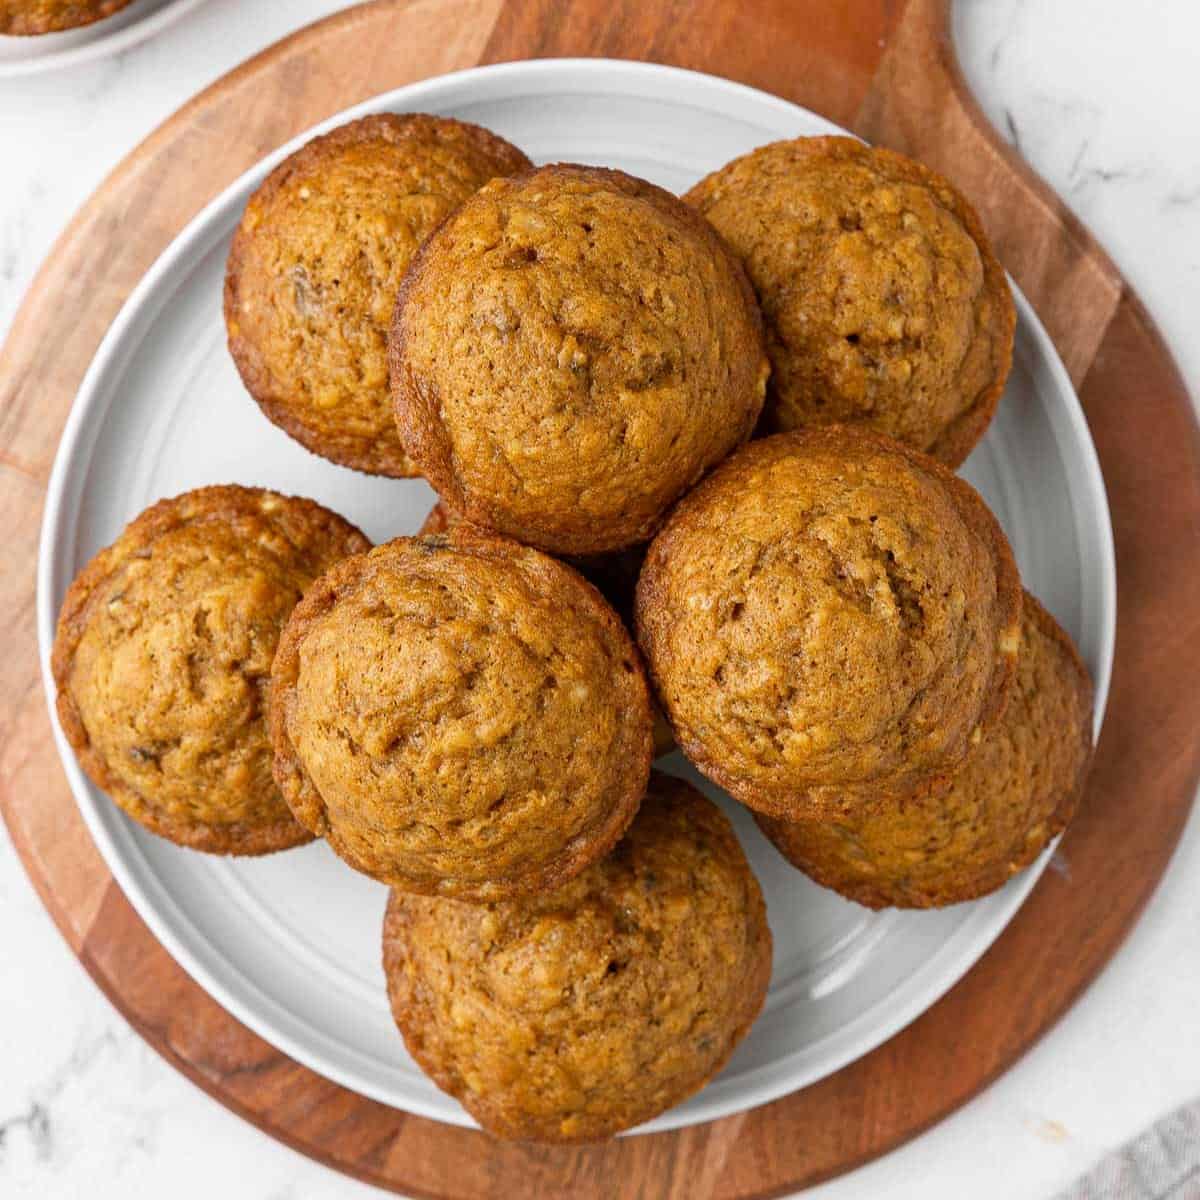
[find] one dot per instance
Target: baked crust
(460, 715)
(571, 351)
(317, 260)
(1016, 792)
(30, 18)
(573, 1014)
(883, 301)
(163, 653)
(614, 575)
(828, 616)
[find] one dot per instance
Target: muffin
(1013, 795)
(829, 615)
(162, 661)
(575, 1013)
(883, 302)
(316, 263)
(439, 519)
(28, 17)
(614, 575)
(571, 351)
(460, 715)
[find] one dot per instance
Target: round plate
(73, 47)
(290, 944)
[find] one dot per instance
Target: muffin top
(572, 350)
(1016, 791)
(316, 264)
(578, 1012)
(883, 302)
(614, 576)
(460, 715)
(829, 613)
(29, 17)
(162, 660)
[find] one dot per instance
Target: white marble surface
(1102, 97)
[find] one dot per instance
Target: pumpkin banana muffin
(316, 263)
(574, 1013)
(883, 302)
(571, 351)
(458, 714)
(162, 661)
(829, 616)
(1016, 791)
(31, 17)
(614, 575)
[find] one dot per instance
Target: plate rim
(109, 357)
(101, 45)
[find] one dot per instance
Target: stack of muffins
(695, 466)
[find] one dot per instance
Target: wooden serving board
(886, 69)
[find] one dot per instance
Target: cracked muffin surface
(571, 351)
(829, 615)
(20, 18)
(572, 1014)
(883, 302)
(316, 263)
(162, 660)
(1016, 792)
(460, 715)
(613, 575)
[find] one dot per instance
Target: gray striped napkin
(1163, 1163)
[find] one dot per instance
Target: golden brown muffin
(572, 350)
(1013, 795)
(162, 661)
(439, 519)
(460, 715)
(884, 304)
(614, 575)
(829, 615)
(28, 17)
(578, 1012)
(316, 263)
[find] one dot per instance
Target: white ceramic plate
(73, 47)
(290, 944)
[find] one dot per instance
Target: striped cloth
(1163, 1163)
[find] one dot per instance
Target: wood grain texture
(887, 69)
